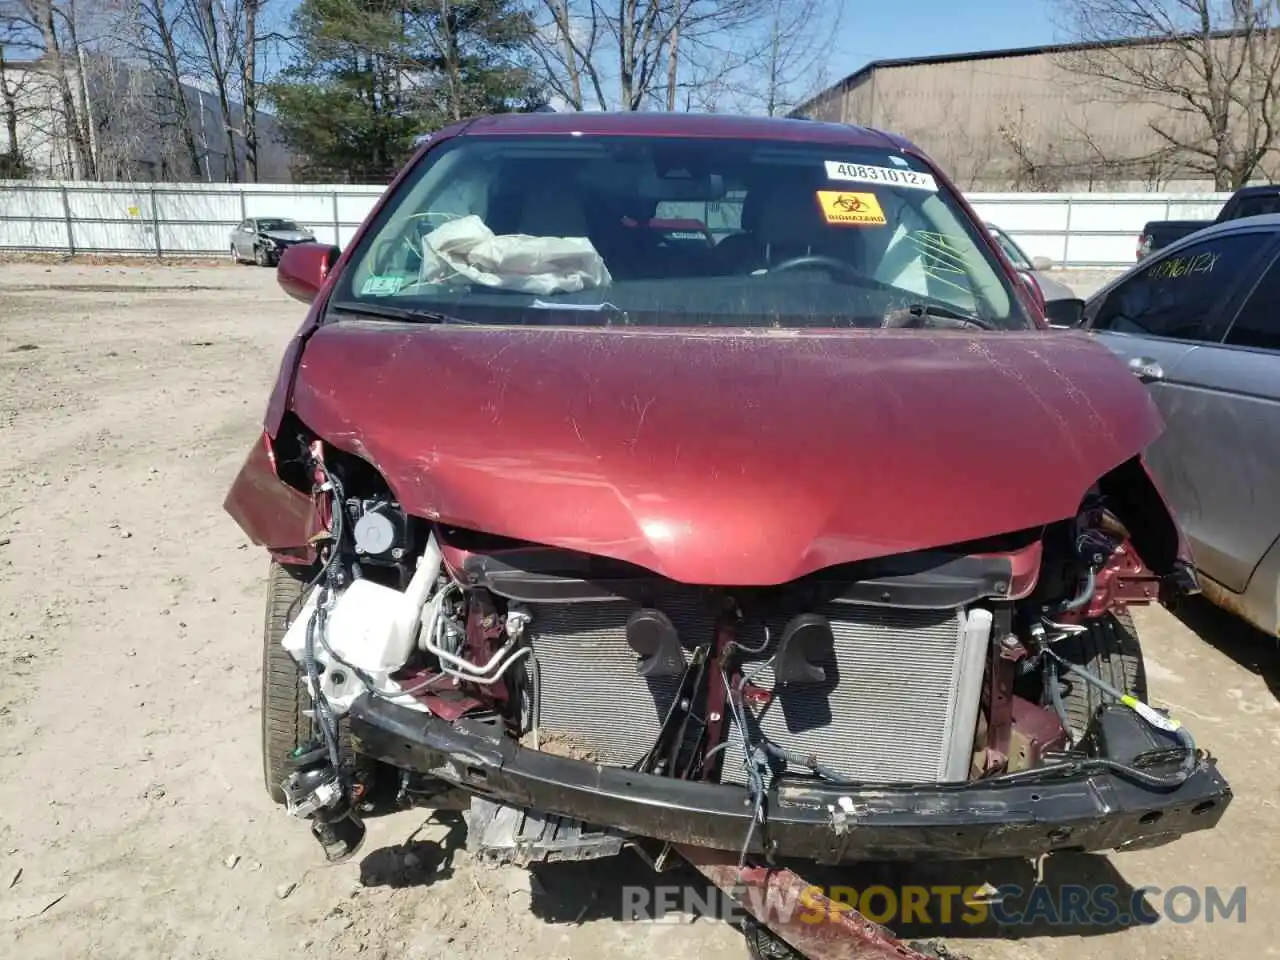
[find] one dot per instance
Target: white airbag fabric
(468, 248)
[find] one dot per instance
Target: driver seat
(791, 225)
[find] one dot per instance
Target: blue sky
(917, 28)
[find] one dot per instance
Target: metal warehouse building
(1023, 119)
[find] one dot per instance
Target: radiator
(900, 705)
(589, 689)
(900, 702)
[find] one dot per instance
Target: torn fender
(272, 513)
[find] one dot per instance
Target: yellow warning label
(859, 209)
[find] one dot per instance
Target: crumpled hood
(289, 236)
(723, 457)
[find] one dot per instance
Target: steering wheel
(818, 260)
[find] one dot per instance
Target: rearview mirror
(1041, 263)
(1065, 313)
(304, 268)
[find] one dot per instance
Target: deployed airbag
(467, 248)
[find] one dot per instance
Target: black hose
(323, 717)
(771, 748)
(1055, 695)
(1080, 599)
(293, 606)
(331, 570)
(1189, 756)
(1100, 765)
(809, 762)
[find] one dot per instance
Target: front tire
(261, 257)
(1110, 649)
(285, 726)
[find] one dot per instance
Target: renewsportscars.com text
(1067, 905)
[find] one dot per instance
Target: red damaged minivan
(814, 543)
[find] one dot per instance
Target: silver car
(1199, 322)
(264, 239)
(1050, 288)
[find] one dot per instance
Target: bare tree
(123, 76)
(567, 43)
(1157, 168)
(12, 87)
(966, 150)
(12, 159)
(51, 26)
(800, 39)
(154, 34)
(638, 46)
(257, 35)
(1036, 164)
(767, 64)
(1209, 71)
(217, 55)
(249, 86)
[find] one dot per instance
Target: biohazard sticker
(889, 177)
(852, 209)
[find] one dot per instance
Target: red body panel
(714, 457)
(275, 515)
(726, 457)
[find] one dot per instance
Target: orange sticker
(856, 209)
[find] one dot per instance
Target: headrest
(790, 215)
(553, 209)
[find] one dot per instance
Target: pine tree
(372, 75)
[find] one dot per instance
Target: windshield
(277, 225)
(675, 232)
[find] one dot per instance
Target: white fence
(180, 219)
(167, 219)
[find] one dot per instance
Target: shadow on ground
(416, 863)
(1079, 895)
(1245, 644)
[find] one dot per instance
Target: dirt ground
(133, 821)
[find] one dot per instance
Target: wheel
(261, 257)
(235, 255)
(1109, 650)
(284, 724)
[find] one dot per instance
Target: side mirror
(1065, 313)
(1041, 263)
(304, 268)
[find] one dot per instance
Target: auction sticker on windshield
(850, 208)
(864, 173)
(377, 286)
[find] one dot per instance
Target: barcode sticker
(863, 173)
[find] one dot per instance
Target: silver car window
(1180, 296)
(1257, 325)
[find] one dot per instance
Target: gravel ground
(133, 822)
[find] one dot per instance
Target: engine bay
(945, 667)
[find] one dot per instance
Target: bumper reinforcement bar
(815, 821)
